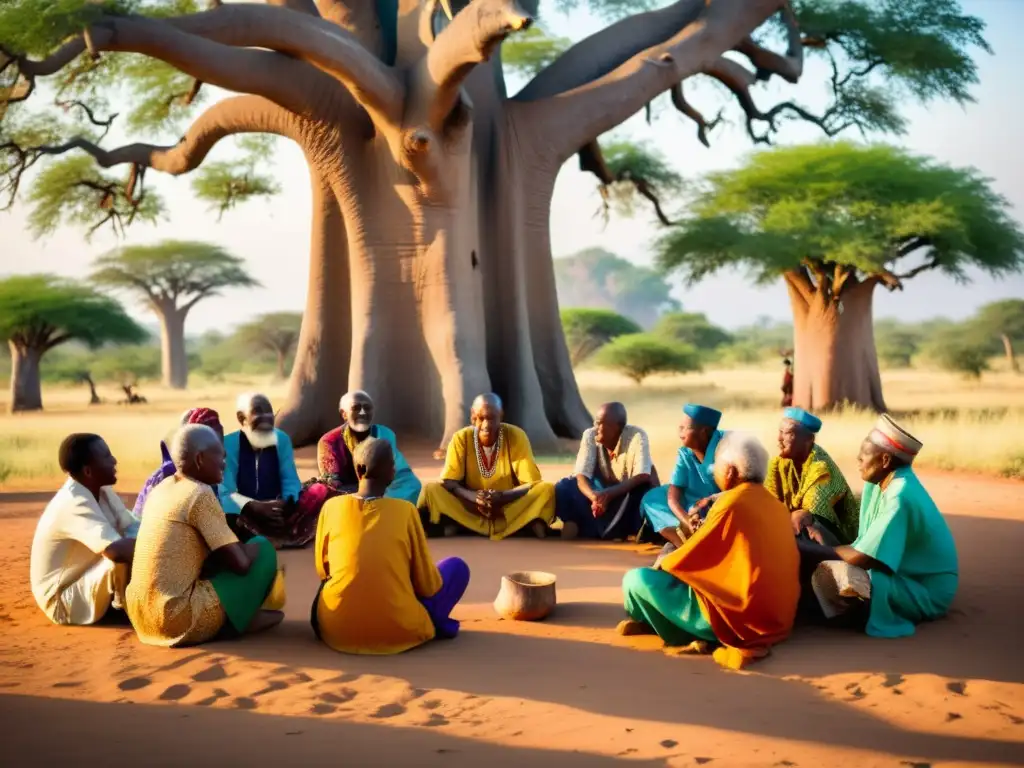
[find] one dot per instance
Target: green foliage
(126, 365)
(843, 204)
(32, 306)
(637, 168)
(896, 343)
(587, 330)
(75, 191)
(693, 329)
(640, 355)
(599, 279)
(996, 319)
(226, 184)
(276, 333)
(954, 350)
(530, 52)
(182, 271)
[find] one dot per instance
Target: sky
(273, 235)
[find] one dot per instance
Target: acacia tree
(40, 312)
(1002, 320)
(171, 278)
(836, 221)
(587, 330)
(431, 185)
(276, 333)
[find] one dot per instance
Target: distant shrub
(587, 330)
(640, 355)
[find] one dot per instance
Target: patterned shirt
(631, 457)
(819, 489)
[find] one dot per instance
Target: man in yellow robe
(490, 484)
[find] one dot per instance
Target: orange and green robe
(820, 489)
(512, 465)
(735, 582)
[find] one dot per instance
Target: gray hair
(189, 441)
(744, 452)
(244, 401)
(346, 400)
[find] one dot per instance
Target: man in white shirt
(84, 542)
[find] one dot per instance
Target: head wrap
(206, 416)
(808, 421)
(702, 416)
(892, 438)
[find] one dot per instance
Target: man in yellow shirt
(490, 484)
(380, 591)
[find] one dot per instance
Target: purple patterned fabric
(454, 580)
(165, 471)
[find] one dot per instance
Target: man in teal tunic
(902, 568)
(665, 507)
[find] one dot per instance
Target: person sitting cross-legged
(667, 508)
(335, 450)
(192, 580)
(490, 484)
(261, 489)
(380, 592)
(808, 482)
(735, 582)
(601, 500)
(84, 542)
(902, 569)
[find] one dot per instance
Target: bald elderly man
(490, 484)
(261, 489)
(335, 451)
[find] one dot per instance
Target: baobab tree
(836, 222)
(41, 312)
(171, 278)
(430, 264)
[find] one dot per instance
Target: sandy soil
(566, 691)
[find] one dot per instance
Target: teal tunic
(694, 477)
(902, 528)
(666, 604)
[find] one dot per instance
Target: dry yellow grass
(968, 426)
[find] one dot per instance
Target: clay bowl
(526, 596)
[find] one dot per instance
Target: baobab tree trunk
(26, 387)
(1011, 359)
(281, 360)
(835, 362)
(174, 361)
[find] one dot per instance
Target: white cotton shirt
(70, 538)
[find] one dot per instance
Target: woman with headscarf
(206, 416)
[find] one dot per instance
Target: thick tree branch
(571, 119)
(800, 282)
(245, 71)
(470, 39)
(790, 67)
(311, 39)
(932, 263)
(703, 126)
(592, 161)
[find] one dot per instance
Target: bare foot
(570, 530)
(264, 620)
(539, 529)
(631, 628)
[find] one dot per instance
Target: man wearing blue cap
(668, 508)
(805, 479)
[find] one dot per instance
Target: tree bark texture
(835, 362)
(26, 387)
(1011, 358)
(174, 360)
(431, 278)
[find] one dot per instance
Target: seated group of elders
(737, 528)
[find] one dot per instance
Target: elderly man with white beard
(261, 489)
(335, 451)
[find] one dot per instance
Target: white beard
(261, 439)
(360, 427)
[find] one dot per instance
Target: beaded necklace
(484, 463)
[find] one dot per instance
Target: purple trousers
(454, 580)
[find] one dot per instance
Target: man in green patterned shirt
(808, 482)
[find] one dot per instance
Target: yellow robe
(515, 466)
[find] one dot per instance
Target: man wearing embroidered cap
(805, 479)
(903, 545)
(668, 508)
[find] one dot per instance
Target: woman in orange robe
(735, 582)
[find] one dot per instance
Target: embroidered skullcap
(206, 416)
(891, 437)
(808, 421)
(703, 416)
